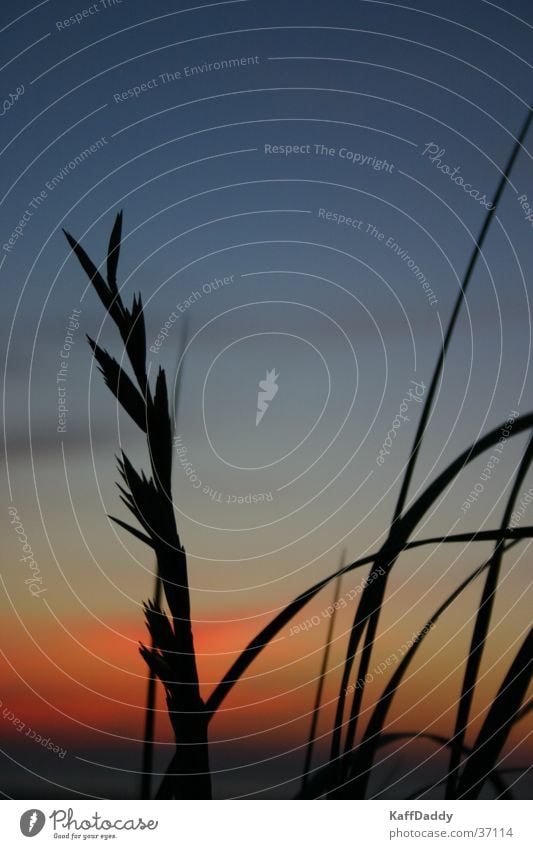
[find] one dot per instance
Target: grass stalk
(372, 596)
(320, 681)
(171, 657)
(282, 619)
(360, 762)
(498, 722)
(480, 632)
(151, 688)
(371, 621)
(495, 777)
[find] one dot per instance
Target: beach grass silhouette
(171, 657)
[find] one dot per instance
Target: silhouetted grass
(368, 610)
(171, 658)
(321, 680)
(367, 616)
(481, 629)
(282, 619)
(149, 725)
(498, 722)
(359, 762)
(320, 784)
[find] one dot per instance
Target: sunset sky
(236, 180)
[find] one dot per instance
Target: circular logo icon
(32, 822)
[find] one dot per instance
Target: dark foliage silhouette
(171, 657)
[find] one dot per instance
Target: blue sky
(331, 307)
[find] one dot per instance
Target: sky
(286, 175)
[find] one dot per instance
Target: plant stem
(151, 690)
(321, 679)
(391, 543)
(480, 632)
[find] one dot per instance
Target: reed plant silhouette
(172, 658)
(350, 765)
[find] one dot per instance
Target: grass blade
(454, 316)
(495, 776)
(373, 619)
(133, 531)
(359, 762)
(150, 501)
(320, 784)
(320, 682)
(263, 638)
(113, 253)
(498, 722)
(481, 630)
(151, 688)
(373, 594)
(120, 385)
